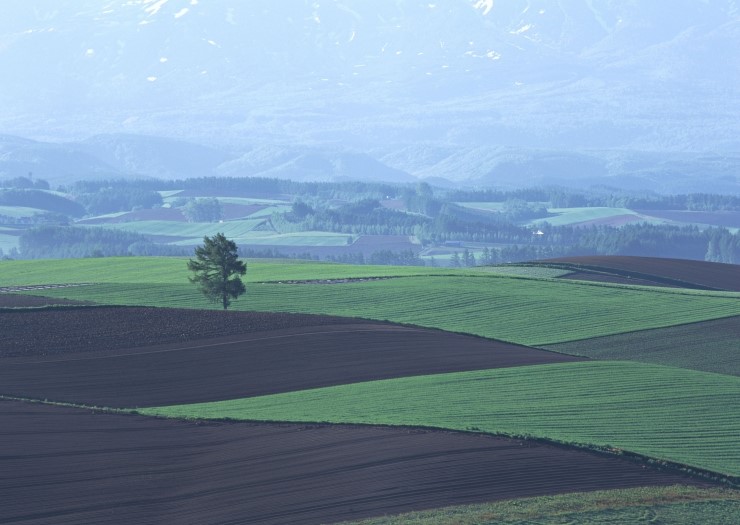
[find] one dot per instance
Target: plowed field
(55, 332)
(236, 366)
(701, 273)
(9, 300)
(65, 466)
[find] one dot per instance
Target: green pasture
(568, 216)
(269, 211)
(168, 193)
(674, 505)
(18, 212)
(298, 239)
(710, 346)
(524, 310)
(8, 242)
(662, 412)
(132, 271)
(484, 206)
(249, 201)
(197, 230)
(108, 215)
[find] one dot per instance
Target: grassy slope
(629, 406)
(233, 229)
(677, 505)
(711, 346)
(173, 271)
(528, 311)
(567, 216)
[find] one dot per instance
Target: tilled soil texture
(56, 332)
(10, 300)
(65, 466)
(711, 275)
(256, 364)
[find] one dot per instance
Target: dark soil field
(9, 300)
(243, 365)
(63, 466)
(55, 332)
(710, 275)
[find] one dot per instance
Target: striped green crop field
(674, 505)
(529, 311)
(709, 346)
(131, 271)
(665, 413)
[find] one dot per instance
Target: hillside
(463, 419)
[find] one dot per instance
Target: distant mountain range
(467, 90)
(137, 156)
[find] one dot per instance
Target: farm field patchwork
(200, 472)
(675, 271)
(267, 353)
(595, 215)
(620, 405)
(526, 311)
(209, 471)
(172, 270)
(233, 229)
(709, 346)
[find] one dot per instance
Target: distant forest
(435, 217)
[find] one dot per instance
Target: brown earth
(267, 362)
(54, 332)
(63, 466)
(704, 274)
(10, 300)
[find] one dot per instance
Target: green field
(676, 505)
(662, 412)
(18, 212)
(524, 310)
(232, 229)
(484, 206)
(712, 346)
(567, 216)
(297, 239)
(8, 242)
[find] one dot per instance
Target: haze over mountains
(628, 93)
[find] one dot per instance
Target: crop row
(526, 311)
(709, 346)
(662, 412)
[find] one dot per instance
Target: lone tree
(217, 269)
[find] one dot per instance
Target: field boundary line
(648, 461)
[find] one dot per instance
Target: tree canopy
(217, 268)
